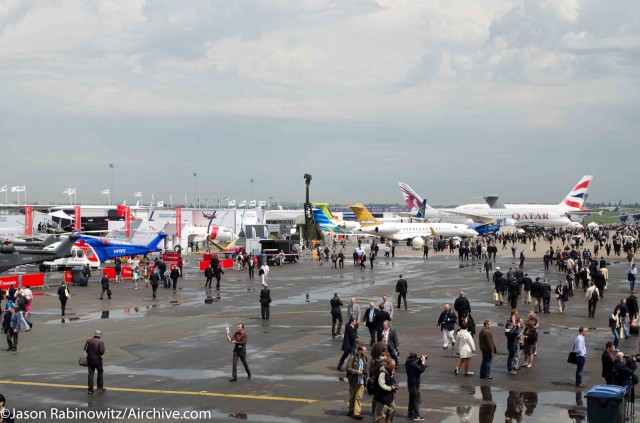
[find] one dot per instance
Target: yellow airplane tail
(220, 247)
(363, 216)
(324, 208)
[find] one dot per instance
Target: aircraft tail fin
(421, 211)
(324, 222)
(363, 216)
(154, 244)
(412, 199)
(494, 202)
(324, 208)
(578, 195)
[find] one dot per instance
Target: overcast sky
(457, 98)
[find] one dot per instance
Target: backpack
(372, 380)
(595, 296)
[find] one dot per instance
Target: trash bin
(606, 404)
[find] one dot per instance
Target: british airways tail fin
(420, 213)
(578, 195)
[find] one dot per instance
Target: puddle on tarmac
(127, 312)
(515, 406)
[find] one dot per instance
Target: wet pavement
(173, 353)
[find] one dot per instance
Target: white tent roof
(61, 215)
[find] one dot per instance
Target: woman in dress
(466, 347)
(530, 340)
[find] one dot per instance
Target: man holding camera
(623, 373)
(415, 367)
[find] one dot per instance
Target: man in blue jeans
(488, 348)
(580, 348)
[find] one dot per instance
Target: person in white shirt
(580, 348)
(388, 305)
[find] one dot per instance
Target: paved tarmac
(173, 354)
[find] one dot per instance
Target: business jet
(400, 231)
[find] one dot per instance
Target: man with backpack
(357, 369)
(592, 296)
(386, 392)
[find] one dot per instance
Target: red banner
(127, 272)
(127, 222)
(76, 218)
(33, 280)
(204, 265)
(7, 282)
(179, 223)
(170, 257)
(28, 220)
(68, 277)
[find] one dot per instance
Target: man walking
(348, 342)
(265, 301)
(175, 274)
(546, 296)
(95, 350)
(414, 367)
(401, 289)
(63, 296)
(239, 342)
(353, 310)
(154, 281)
(488, 349)
(11, 325)
(446, 323)
(393, 343)
(536, 293)
(580, 348)
(607, 362)
(217, 273)
(381, 316)
(208, 273)
(104, 283)
(592, 296)
(632, 274)
(388, 306)
(511, 332)
(357, 369)
(462, 307)
(369, 321)
(336, 315)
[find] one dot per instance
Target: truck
(272, 247)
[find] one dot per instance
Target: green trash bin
(606, 404)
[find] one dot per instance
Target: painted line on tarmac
(160, 391)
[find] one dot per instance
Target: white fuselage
(402, 231)
(521, 216)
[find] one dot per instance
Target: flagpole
(25, 195)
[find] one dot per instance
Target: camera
(630, 360)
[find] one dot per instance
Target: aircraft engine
(417, 243)
(6, 249)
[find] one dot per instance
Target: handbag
(621, 333)
(84, 357)
(573, 358)
(496, 296)
(66, 292)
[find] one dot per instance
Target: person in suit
(369, 321)
(265, 300)
(336, 315)
(353, 310)
(608, 362)
(349, 341)
(63, 291)
(401, 289)
(392, 340)
(379, 319)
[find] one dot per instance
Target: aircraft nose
(472, 232)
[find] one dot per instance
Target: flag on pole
(160, 204)
(3, 189)
(138, 194)
(232, 203)
(22, 188)
(105, 191)
(252, 203)
(243, 203)
(15, 189)
(262, 203)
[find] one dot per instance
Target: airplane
(326, 224)
(517, 217)
(572, 203)
(414, 204)
(400, 231)
(106, 249)
(10, 257)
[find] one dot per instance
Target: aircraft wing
(471, 216)
(221, 248)
(588, 212)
